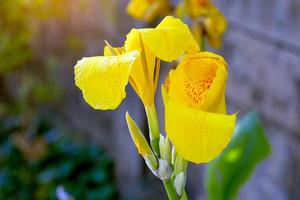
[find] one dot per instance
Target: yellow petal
(139, 72)
(198, 136)
(102, 79)
(199, 82)
(170, 39)
(110, 51)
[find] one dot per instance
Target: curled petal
(198, 136)
(102, 79)
(170, 39)
(199, 82)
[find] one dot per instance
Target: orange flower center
(198, 79)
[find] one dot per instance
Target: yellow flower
(148, 10)
(103, 79)
(196, 119)
(208, 20)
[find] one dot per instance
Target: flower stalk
(161, 144)
(172, 195)
(153, 128)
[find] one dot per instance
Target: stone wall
(262, 47)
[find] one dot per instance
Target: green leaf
(233, 167)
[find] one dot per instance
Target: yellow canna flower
(103, 79)
(148, 10)
(208, 20)
(196, 119)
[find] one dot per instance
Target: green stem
(172, 195)
(184, 196)
(153, 128)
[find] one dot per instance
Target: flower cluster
(207, 21)
(196, 119)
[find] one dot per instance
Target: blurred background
(52, 144)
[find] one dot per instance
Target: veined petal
(102, 79)
(170, 39)
(198, 136)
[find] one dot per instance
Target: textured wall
(262, 47)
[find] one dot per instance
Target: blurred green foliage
(34, 161)
(233, 167)
(17, 29)
(14, 35)
(28, 70)
(36, 157)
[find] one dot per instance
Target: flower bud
(174, 155)
(180, 165)
(141, 143)
(179, 183)
(164, 171)
(165, 150)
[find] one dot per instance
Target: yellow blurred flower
(196, 119)
(103, 79)
(207, 20)
(148, 10)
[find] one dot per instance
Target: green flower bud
(180, 165)
(141, 143)
(164, 171)
(174, 154)
(179, 183)
(165, 150)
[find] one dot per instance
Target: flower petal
(116, 50)
(139, 71)
(198, 136)
(170, 39)
(199, 82)
(102, 79)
